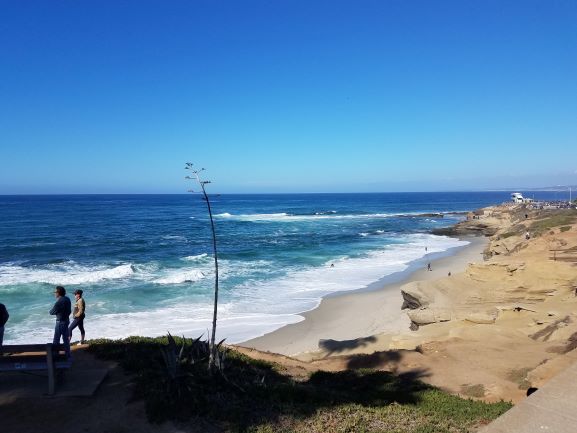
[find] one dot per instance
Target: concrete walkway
(552, 409)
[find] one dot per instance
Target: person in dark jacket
(3, 319)
(61, 310)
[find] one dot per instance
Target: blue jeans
(61, 330)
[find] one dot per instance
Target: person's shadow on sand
(335, 346)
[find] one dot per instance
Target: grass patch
(437, 412)
(257, 396)
(564, 229)
(552, 219)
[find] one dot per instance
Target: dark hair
(61, 290)
(78, 292)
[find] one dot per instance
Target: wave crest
(62, 274)
(285, 217)
(194, 258)
(180, 277)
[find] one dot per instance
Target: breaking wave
(181, 276)
(69, 273)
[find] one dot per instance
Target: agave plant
(202, 183)
(196, 352)
(173, 357)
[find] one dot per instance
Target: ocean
(146, 267)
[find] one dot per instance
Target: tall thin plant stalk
(202, 183)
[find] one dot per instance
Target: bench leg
(51, 369)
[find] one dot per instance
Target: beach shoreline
(353, 317)
(500, 323)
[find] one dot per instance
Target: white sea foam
(249, 309)
(233, 268)
(180, 276)
(256, 217)
(152, 272)
(190, 320)
(284, 217)
(332, 215)
(202, 267)
(68, 273)
(195, 258)
(302, 289)
(174, 238)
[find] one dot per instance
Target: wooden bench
(35, 357)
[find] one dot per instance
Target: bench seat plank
(29, 348)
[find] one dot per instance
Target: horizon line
(542, 189)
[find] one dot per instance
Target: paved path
(552, 409)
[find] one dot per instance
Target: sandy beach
(361, 314)
(504, 320)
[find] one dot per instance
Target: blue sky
(287, 96)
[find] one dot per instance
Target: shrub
(254, 395)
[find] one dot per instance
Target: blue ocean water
(145, 261)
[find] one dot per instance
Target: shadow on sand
(332, 347)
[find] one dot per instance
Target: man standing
(3, 319)
(61, 310)
(78, 316)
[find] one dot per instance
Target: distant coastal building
(517, 197)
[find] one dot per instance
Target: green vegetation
(254, 396)
(552, 219)
(564, 229)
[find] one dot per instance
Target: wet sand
(360, 315)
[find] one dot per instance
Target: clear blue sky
(287, 96)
